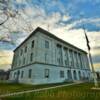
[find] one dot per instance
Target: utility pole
(90, 59)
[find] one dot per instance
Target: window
(32, 44)
(59, 49)
(46, 57)
(26, 49)
(62, 74)
(22, 74)
(66, 62)
(31, 57)
(14, 74)
(19, 62)
(21, 51)
(66, 53)
(58, 60)
(58, 46)
(30, 73)
(46, 73)
(46, 44)
(24, 61)
(71, 63)
(18, 73)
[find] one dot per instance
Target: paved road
(36, 90)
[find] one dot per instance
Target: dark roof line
(38, 29)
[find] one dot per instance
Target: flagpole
(93, 71)
(90, 59)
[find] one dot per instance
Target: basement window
(62, 74)
(46, 73)
(22, 74)
(30, 73)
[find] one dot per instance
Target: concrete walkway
(36, 90)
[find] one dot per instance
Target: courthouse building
(44, 58)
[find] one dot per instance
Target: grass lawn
(75, 92)
(6, 88)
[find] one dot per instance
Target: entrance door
(69, 75)
(74, 75)
(18, 73)
(79, 73)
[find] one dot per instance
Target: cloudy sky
(64, 18)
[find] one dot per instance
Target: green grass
(6, 88)
(75, 92)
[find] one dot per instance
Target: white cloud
(65, 18)
(20, 1)
(6, 59)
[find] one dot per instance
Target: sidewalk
(36, 90)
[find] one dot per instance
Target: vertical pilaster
(68, 58)
(63, 56)
(73, 59)
(87, 63)
(73, 64)
(82, 61)
(78, 66)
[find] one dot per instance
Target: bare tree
(6, 11)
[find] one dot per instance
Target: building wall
(57, 57)
(18, 59)
(60, 54)
(38, 74)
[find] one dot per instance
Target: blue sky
(76, 9)
(65, 19)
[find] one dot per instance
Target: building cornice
(47, 64)
(38, 29)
